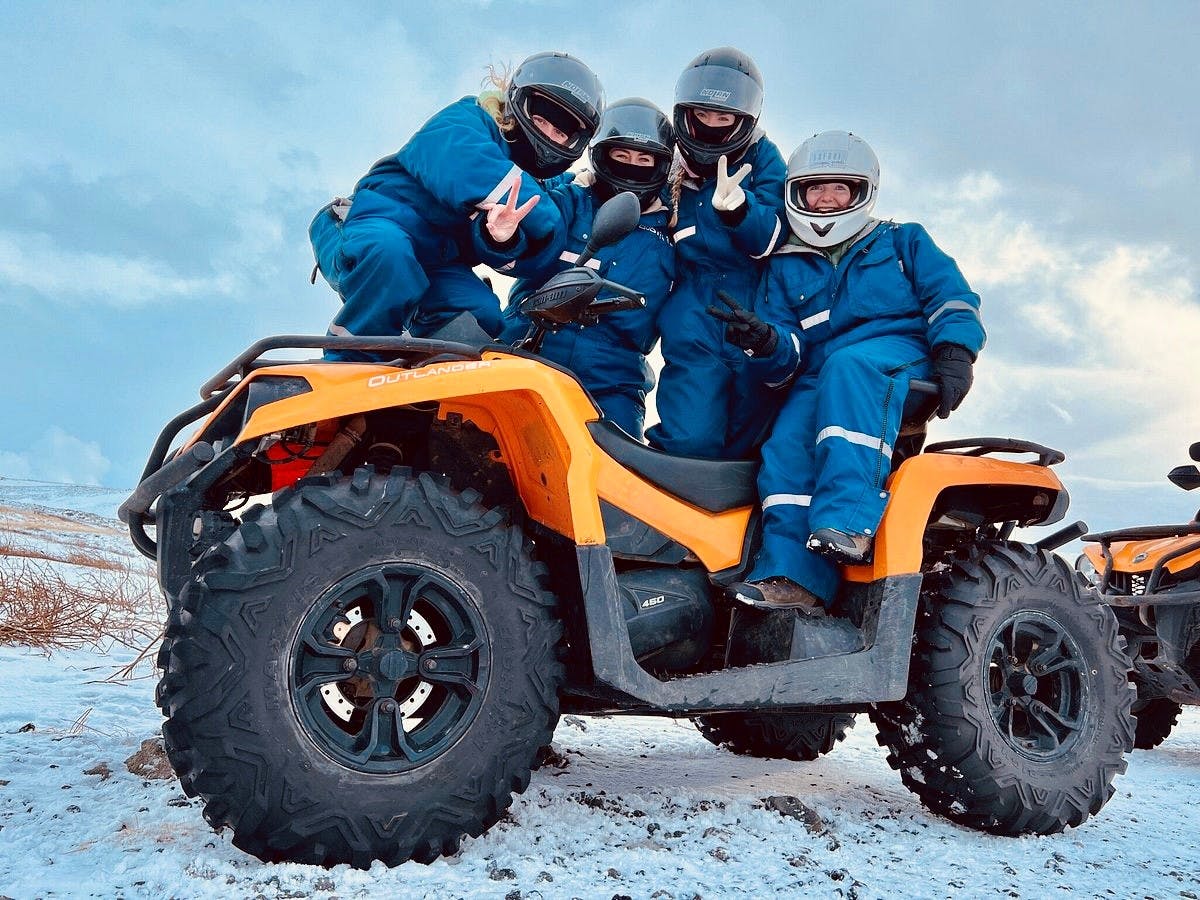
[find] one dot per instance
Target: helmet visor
(557, 124)
(797, 194)
(643, 176)
(719, 88)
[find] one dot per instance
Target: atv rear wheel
(1155, 719)
(363, 671)
(801, 736)
(1017, 718)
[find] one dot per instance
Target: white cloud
(33, 261)
(57, 456)
(1098, 339)
(978, 187)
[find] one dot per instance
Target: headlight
(1085, 567)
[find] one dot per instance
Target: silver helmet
(824, 157)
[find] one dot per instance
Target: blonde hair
(676, 179)
(494, 96)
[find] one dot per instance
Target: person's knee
(380, 260)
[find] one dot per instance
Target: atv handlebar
(572, 297)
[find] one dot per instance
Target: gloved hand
(952, 369)
(743, 328)
(728, 194)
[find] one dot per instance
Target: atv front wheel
(363, 671)
(1017, 717)
(800, 736)
(1155, 719)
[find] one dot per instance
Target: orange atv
(454, 546)
(1151, 578)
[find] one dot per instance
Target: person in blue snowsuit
(632, 151)
(851, 309)
(727, 225)
(399, 252)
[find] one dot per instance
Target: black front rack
(409, 352)
(403, 352)
(1153, 581)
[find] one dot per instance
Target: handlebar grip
(615, 304)
(179, 468)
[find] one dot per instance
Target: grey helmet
(721, 80)
(561, 89)
(831, 156)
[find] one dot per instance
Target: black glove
(952, 370)
(743, 328)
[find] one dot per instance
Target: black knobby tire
(364, 670)
(1155, 719)
(800, 736)
(1017, 717)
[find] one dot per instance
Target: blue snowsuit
(703, 405)
(851, 336)
(401, 260)
(609, 357)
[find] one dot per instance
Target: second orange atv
(453, 547)
(1151, 578)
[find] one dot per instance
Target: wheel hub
(1038, 685)
(389, 667)
(1022, 685)
(397, 664)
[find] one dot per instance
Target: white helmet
(831, 156)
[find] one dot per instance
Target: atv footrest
(875, 673)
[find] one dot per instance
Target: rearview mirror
(616, 218)
(1186, 477)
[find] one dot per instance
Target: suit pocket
(878, 286)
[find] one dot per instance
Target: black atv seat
(717, 485)
(711, 484)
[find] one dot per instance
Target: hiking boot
(841, 546)
(777, 593)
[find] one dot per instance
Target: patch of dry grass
(42, 609)
(73, 558)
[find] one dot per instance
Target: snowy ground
(639, 808)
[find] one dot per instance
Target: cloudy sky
(159, 164)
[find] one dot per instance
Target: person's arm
(950, 307)
(459, 157)
(536, 259)
(774, 350)
(757, 221)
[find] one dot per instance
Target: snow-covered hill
(633, 807)
(74, 498)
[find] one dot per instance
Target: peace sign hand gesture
(743, 328)
(504, 218)
(728, 194)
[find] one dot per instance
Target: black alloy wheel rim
(389, 668)
(1037, 685)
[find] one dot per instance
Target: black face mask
(708, 135)
(613, 177)
(523, 153)
(630, 172)
(605, 191)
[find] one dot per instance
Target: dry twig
(40, 608)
